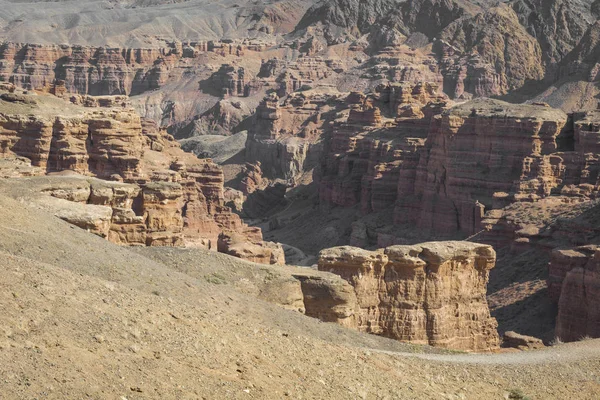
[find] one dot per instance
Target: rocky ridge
(469, 48)
(168, 197)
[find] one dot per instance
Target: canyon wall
(475, 151)
(432, 293)
(574, 285)
(375, 150)
(116, 71)
(452, 168)
(287, 138)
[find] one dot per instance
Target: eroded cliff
(432, 293)
(167, 198)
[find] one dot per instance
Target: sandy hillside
(83, 318)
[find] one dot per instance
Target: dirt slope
(86, 319)
(143, 23)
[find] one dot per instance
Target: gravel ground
(82, 318)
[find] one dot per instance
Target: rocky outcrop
(328, 297)
(163, 214)
(260, 252)
(521, 342)
(252, 178)
(371, 156)
(112, 70)
(467, 75)
(501, 41)
(173, 197)
(507, 150)
(231, 80)
(433, 293)
(575, 284)
(285, 138)
(221, 119)
(104, 142)
(558, 25)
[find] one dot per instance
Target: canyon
(423, 171)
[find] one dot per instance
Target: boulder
(522, 342)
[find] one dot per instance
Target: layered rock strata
(111, 70)
(286, 135)
(476, 150)
(433, 293)
(178, 199)
(374, 153)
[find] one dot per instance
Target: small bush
(215, 279)
(517, 394)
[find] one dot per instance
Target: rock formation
(357, 102)
(171, 198)
(574, 284)
(508, 150)
(368, 158)
(433, 293)
(285, 138)
(521, 342)
(112, 71)
(497, 36)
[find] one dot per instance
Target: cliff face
(476, 150)
(376, 148)
(433, 293)
(285, 138)
(86, 70)
(442, 166)
(575, 285)
(173, 197)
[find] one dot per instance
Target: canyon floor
(83, 318)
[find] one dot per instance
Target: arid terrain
(300, 199)
(85, 318)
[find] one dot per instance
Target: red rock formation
(372, 161)
(252, 178)
(575, 284)
(181, 197)
(305, 72)
(260, 252)
(467, 75)
(105, 70)
(285, 138)
(478, 149)
(433, 293)
(230, 80)
(162, 212)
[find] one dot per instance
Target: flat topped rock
(524, 342)
(351, 256)
(440, 252)
(404, 291)
(496, 108)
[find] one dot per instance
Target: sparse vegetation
(216, 279)
(556, 341)
(517, 394)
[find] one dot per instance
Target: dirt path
(585, 350)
